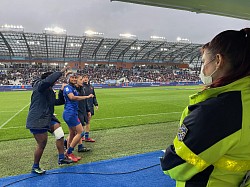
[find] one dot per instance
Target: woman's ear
(222, 64)
(219, 60)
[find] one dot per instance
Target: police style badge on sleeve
(182, 131)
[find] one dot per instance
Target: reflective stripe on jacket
(211, 148)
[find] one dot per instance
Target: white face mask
(207, 80)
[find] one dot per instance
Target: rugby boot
(84, 149)
(65, 161)
(38, 171)
(89, 140)
(72, 157)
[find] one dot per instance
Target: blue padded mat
(142, 170)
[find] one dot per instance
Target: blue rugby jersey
(70, 106)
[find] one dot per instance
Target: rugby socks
(86, 135)
(65, 143)
(70, 150)
(60, 157)
(35, 166)
(82, 135)
(80, 146)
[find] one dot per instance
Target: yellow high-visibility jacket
(212, 146)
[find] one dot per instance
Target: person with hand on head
(91, 102)
(70, 115)
(211, 148)
(41, 120)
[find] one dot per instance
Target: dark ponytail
(234, 46)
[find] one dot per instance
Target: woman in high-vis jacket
(212, 146)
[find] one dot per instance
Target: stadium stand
(24, 56)
(102, 73)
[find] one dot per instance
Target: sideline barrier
(5, 88)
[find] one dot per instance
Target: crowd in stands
(102, 73)
(21, 76)
(151, 73)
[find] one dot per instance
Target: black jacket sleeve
(94, 98)
(49, 81)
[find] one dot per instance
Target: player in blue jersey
(70, 115)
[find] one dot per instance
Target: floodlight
(157, 38)
(58, 30)
(55, 30)
(7, 27)
(128, 35)
(93, 33)
(185, 40)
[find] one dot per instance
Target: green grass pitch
(118, 107)
(129, 121)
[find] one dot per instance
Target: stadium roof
(231, 8)
(21, 46)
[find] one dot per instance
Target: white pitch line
(143, 115)
(11, 128)
(13, 116)
(119, 117)
(11, 111)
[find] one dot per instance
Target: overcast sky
(113, 18)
